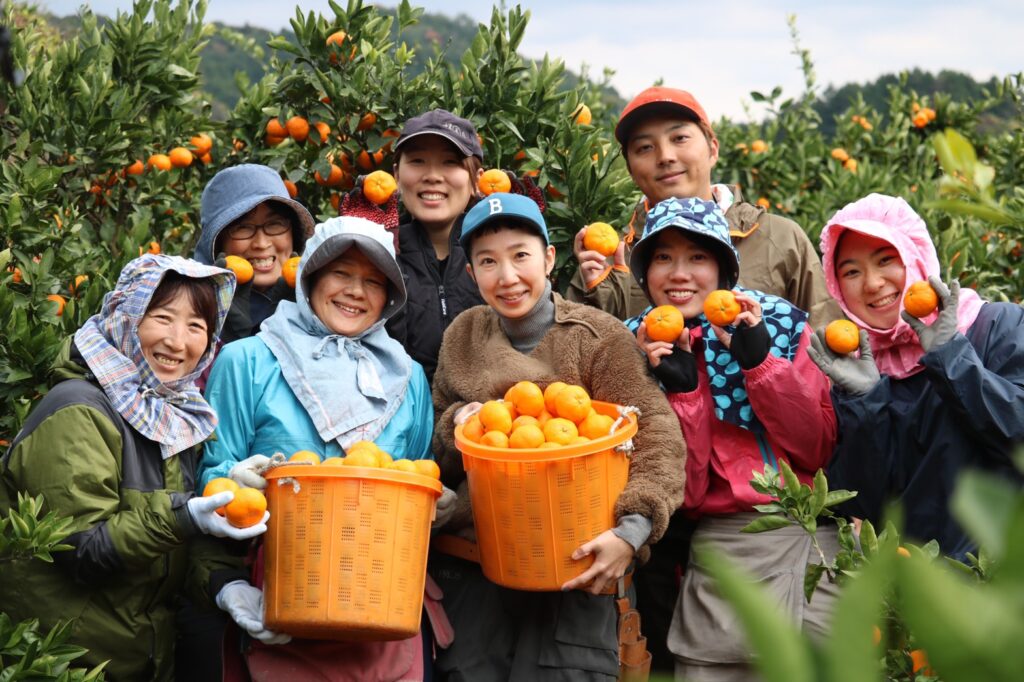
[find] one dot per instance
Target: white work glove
(203, 511)
(445, 508)
(249, 472)
(244, 603)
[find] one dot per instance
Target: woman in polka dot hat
(747, 395)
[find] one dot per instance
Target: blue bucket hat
(235, 191)
(503, 206)
(696, 218)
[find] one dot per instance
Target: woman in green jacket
(112, 448)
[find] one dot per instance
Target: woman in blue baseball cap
(747, 395)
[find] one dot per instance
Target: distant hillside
(960, 86)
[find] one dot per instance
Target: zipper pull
(444, 301)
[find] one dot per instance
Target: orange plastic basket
(346, 551)
(532, 507)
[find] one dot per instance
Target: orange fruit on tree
(495, 416)
(378, 186)
(305, 456)
(526, 437)
(550, 391)
(919, 661)
(596, 425)
(842, 336)
(336, 39)
(290, 270)
(201, 143)
(298, 128)
(16, 277)
(473, 430)
(840, 154)
(273, 140)
(427, 467)
(527, 398)
(323, 130)
(180, 157)
(241, 267)
(367, 121)
(366, 162)
(664, 323)
(137, 168)
(582, 115)
(293, 189)
(494, 180)
(573, 403)
(560, 430)
(494, 439)
(154, 248)
(59, 300)
(219, 485)
(276, 129)
(79, 279)
(920, 299)
(332, 179)
(247, 509)
(903, 552)
(720, 307)
(758, 146)
(160, 162)
(601, 237)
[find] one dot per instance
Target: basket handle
(625, 447)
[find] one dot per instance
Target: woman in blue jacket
(926, 398)
(321, 374)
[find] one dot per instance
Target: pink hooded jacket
(897, 349)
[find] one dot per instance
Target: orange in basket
(346, 551)
(533, 507)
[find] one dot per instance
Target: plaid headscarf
(174, 414)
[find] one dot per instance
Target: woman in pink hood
(924, 398)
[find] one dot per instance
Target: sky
(719, 51)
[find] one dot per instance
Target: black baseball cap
(458, 131)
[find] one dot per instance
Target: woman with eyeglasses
(246, 211)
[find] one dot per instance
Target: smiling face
(510, 266)
(871, 278)
(435, 182)
(267, 248)
(681, 273)
(669, 156)
(349, 293)
(173, 335)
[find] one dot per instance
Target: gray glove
(203, 511)
(244, 603)
(249, 472)
(853, 374)
(944, 327)
(445, 508)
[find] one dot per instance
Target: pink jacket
(792, 402)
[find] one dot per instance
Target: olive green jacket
(776, 257)
(129, 528)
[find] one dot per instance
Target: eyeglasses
(271, 228)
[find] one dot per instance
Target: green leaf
(868, 539)
(983, 505)
(849, 653)
(991, 214)
(819, 494)
(836, 497)
(780, 651)
(811, 578)
(766, 523)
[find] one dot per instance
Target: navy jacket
(908, 439)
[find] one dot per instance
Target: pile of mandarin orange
(528, 417)
(366, 453)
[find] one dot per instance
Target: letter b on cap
(495, 204)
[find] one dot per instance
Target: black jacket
(437, 292)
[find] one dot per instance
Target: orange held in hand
(290, 270)
(842, 336)
(241, 267)
(664, 323)
(494, 180)
(247, 509)
(379, 186)
(721, 307)
(601, 237)
(219, 485)
(920, 300)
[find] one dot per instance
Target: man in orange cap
(670, 150)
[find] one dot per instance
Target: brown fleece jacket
(587, 347)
